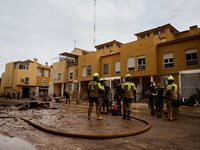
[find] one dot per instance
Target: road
(181, 134)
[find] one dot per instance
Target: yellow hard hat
(101, 79)
(96, 75)
(170, 78)
(128, 76)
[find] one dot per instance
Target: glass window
(168, 60)
(131, 64)
(39, 72)
(191, 57)
(83, 71)
(59, 75)
(46, 73)
(105, 69)
(26, 80)
(141, 62)
(71, 74)
(69, 86)
(89, 70)
(109, 46)
(23, 66)
(117, 67)
(76, 85)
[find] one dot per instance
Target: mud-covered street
(72, 118)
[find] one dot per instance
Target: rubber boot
(89, 114)
(124, 114)
(128, 115)
(98, 115)
(175, 116)
(170, 115)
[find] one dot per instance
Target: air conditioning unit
(22, 79)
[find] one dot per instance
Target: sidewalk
(192, 111)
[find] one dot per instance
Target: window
(156, 33)
(76, 73)
(117, 67)
(83, 71)
(101, 48)
(16, 66)
(59, 75)
(23, 66)
(141, 62)
(71, 74)
(76, 85)
(39, 72)
(46, 73)
(43, 82)
(109, 46)
(55, 75)
(131, 63)
(69, 86)
(145, 36)
(172, 31)
(191, 57)
(8, 80)
(105, 69)
(89, 70)
(26, 80)
(168, 60)
(117, 45)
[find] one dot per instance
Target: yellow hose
(88, 136)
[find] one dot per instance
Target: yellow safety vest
(94, 87)
(128, 88)
(172, 91)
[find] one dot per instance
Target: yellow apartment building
(103, 59)
(146, 59)
(180, 58)
(64, 73)
(25, 79)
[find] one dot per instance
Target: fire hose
(88, 136)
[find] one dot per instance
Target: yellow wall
(59, 66)
(188, 33)
(111, 59)
(141, 47)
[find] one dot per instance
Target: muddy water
(12, 143)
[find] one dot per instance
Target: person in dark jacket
(66, 94)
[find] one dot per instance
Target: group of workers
(98, 93)
(156, 96)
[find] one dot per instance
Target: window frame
(46, 73)
(89, 70)
(76, 73)
(69, 85)
(26, 81)
(191, 51)
(143, 60)
(106, 69)
(83, 69)
(167, 57)
(59, 75)
(70, 74)
(117, 65)
(129, 61)
(55, 75)
(39, 72)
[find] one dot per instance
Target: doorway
(25, 92)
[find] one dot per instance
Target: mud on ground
(72, 118)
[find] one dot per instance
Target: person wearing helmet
(128, 91)
(101, 97)
(172, 99)
(152, 92)
(106, 97)
(94, 90)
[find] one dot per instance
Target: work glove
(154, 94)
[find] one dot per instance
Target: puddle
(8, 143)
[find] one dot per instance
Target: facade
(155, 55)
(25, 79)
(64, 74)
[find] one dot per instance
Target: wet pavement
(72, 118)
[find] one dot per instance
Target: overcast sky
(43, 29)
